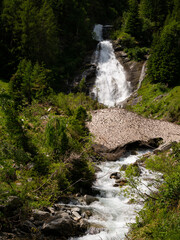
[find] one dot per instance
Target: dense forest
(45, 147)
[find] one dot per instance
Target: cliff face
(133, 69)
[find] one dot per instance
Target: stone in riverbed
(90, 199)
(116, 185)
(58, 225)
(115, 175)
(121, 182)
(40, 215)
(76, 216)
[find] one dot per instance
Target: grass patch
(4, 84)
(158, 101)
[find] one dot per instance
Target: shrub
(56, 136)
(126, 40)
(137, 53)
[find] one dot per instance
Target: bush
(137, 53)
(126, 40)
(41, 164)
(82, 173)
(29, 82)
(56, 136)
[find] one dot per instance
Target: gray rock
(51, 210)
(27, 226)
(163, 147)
(61, 227)
(115, 175)
(76, 209)
(95, 228)
(116, 185)
(40, 215)
(90, 199)
(76, 216)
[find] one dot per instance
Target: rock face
(133, 69)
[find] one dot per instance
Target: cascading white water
(111, 87)
(113, 211)
(142, 75)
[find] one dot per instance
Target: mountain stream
(114, 210)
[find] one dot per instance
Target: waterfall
(111, 87)
(143, 73)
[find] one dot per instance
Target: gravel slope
(114, 126)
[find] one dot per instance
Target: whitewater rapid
(114, 211)
(111, 87)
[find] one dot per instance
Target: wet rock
(59, 226)
(121, 182)
(90, 199)
(27, 226)
(40, 215)
(83, 224)
(95, 229)
(76, 209)
(97, 169)
(163, 147)
(76, 216)
(133, 152)
(87, 214)
(115, 175)
(116, 185)
(118, 48)
(51, 210)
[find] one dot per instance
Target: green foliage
(32, 29)
(71, 101)
(159, 219)
(126, 40)
(81, 172)
(164, 62)
(132, 20)
(41, 164)
(137, 53)
(157, 101)
(29, 82)
(154, 10)
(132, 171)
(56, 135)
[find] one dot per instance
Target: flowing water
(111, 87)
(113, 212)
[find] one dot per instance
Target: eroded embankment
(115, 127)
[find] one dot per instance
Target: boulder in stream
(90, 199)
(115, 175)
